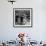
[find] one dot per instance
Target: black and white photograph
(22, 17)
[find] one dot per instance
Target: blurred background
(37, 32)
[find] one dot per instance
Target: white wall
(37, 32)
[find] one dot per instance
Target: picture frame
(22, 17)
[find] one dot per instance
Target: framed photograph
(22, 17)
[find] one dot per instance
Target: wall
(37, 32)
